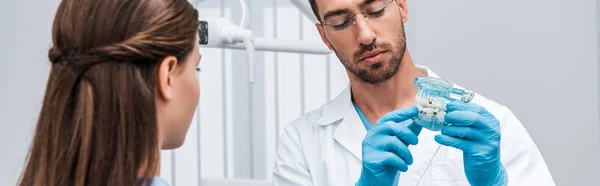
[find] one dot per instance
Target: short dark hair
(313, 5)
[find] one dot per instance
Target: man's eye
(376, 14)
(342, 25)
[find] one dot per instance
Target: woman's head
(122, 85)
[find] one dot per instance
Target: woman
(122, 87)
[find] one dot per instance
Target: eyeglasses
(341, 22)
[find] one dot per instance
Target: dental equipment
(432, 96)
(222, 33)
(305, 8)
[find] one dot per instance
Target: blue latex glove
(385, 147)
(476, 132)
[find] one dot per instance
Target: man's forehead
(329, 5)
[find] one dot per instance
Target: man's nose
(366, 36)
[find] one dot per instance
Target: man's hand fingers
(392, 160)
(462, 144)
(465, 119)
(461, 106)
(399, 115)
(394, 145)
(410, 124)
(462, 132)
(391, 128)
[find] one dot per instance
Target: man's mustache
(368, 48)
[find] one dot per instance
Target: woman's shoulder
(158, 181)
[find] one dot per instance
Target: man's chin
(377, 75)
(377, 65)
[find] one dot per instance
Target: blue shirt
(158, 181)
(369, 126)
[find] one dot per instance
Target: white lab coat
(323, 148)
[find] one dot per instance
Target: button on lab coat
(323, 148)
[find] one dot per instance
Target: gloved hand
(476, 132)
(385, 147)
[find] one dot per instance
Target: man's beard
(378, 72)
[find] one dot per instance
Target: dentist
(365, 135)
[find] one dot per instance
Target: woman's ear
(166, 71)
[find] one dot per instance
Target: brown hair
(315, 9)
(98, 124)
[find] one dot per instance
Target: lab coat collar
(351, 132)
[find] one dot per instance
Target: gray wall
(24, 43)
(538, 57)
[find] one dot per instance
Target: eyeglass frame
(352, 17)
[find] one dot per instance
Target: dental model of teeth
(432, 109)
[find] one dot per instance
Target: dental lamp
(218, 32)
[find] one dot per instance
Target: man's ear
(323, 37)
(166, 71)
(403, 10)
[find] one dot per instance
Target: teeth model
(432, 96)
(431, 109)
